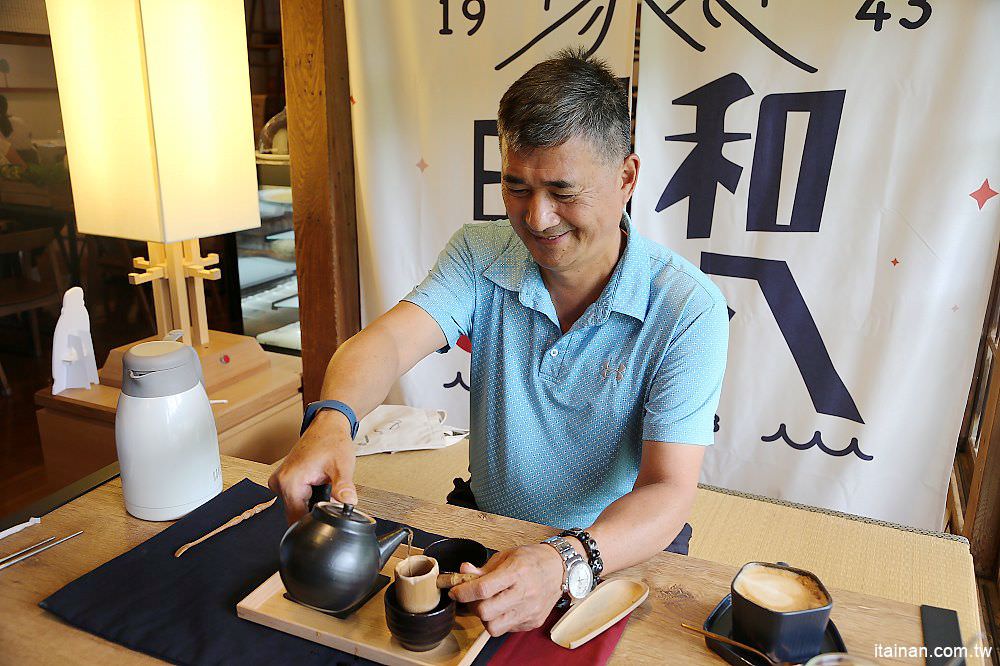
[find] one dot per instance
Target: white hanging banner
(828, 164)
(426, 81)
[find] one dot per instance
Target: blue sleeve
(448, 293)
(685, 391)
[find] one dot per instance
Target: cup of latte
(780, 610)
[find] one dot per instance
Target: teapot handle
(319, 494)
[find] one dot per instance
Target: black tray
(720, 621)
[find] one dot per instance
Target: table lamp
(155, 99)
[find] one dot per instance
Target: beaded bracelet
(590, 546)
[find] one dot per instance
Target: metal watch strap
(590, 546)
(313, 408)
(566, 552)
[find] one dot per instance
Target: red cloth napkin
(535, 648)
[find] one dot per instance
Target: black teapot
(330, 558)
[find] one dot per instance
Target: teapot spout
(387, 545)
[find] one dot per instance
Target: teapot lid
(344, 512)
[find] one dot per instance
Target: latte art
(779, 589)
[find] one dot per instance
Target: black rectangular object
(941, 630)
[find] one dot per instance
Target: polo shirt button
(554, 352)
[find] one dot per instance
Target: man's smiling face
(565, 203)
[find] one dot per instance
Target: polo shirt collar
(627, 291)
(630, 296)
(515, 270)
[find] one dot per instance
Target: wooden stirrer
(235, 521)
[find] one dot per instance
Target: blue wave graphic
(817, 441)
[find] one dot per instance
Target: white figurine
(73, 362)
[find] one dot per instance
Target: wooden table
(682, 588)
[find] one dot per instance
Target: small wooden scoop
(609, 602)
(447, 581)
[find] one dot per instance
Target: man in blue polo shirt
(597, 356)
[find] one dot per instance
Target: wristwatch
(313, 408)
(590, 546)
(578, 579)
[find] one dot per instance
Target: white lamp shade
(155, 100)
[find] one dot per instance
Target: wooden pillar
(977, 464)
(161, 295)
(982, 516)
(180, 313)
(321, 149)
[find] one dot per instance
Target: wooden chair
(31, 289)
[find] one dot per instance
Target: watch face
(581, 580)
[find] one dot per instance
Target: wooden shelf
(259, 420)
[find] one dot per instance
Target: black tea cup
(784, 635)
(418, 632)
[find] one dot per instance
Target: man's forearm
(640, 524)
(325, 452)
(360, 374)
(363, 369)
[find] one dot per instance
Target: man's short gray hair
(568, 95)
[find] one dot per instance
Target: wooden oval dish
(609, 602)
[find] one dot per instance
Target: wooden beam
(982, 511)
(161, 295)
(955, 512)
(195, 294)
(982, 520)
(180, 311)
(25, 39)
(986, 343)
(321, 149)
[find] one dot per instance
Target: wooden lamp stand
(256, 400)
(177, 274)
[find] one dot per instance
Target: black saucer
(720, 621)
(380, 582)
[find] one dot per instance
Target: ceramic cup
(419, 632)
(790, 629)
(416, 584)
(451, 553)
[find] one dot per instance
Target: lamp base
(259, 418)
(227, 359)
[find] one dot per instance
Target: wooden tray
(364, 633)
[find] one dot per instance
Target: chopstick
(11, 562)
(25, 550)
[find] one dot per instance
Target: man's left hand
(516, 590)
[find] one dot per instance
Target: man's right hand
(324, 454)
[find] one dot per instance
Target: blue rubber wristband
(314, 408)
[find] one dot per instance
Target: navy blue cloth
(183, 610)
(681, 541)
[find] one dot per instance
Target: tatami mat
(729, 528)
(870, 558)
